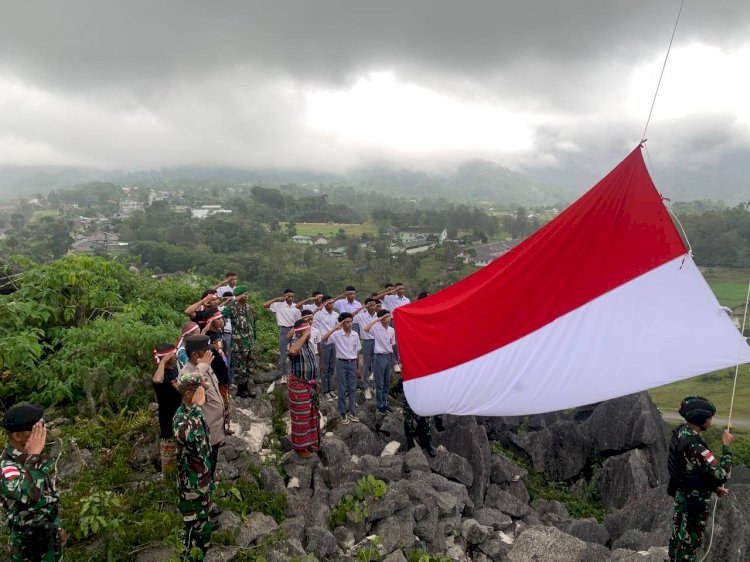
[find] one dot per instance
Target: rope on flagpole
(664, 66)
(737, 367)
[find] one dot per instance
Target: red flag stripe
(614, 233)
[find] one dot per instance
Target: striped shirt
(305, 365)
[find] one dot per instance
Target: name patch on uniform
(708, 456)
(11, 472)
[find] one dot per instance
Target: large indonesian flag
(601, 302)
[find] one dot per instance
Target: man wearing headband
(287, 314)
(694, 474)
(195, 463)
(200, 357)
(349, 302)
(197, 310)
(324, 320)
(391, 302)
(242, 317)
(27, 487)
(347, 345)
(220, 364)
(303, 391)
(362, 319)
(385, 339)
(168, 398)
(316, 304)
(187, 329)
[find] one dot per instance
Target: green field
(37, 215)
(332, 228)
(729, 285)
(730, 288)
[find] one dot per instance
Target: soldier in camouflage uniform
(243, 339)
(194, 465)
(27, 488)
(694, 475)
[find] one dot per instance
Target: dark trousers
(328, 366)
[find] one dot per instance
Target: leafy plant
(371, 551)
(369, 489)
(99, 514)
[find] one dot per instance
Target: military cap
(191, 381)
(197, 343)
(696, 409)
(22, 417)
(240, 290)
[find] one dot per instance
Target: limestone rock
(465, 437)
(360, 440)
(493, 518)
(320, 542)
(386, 468)
(548, 544)
(474, 532)
(396, 531)
(499, 499)
(416, 460)
(560, 452)
(258, 525)
(651, 512)
(453, 467)
(625, 477)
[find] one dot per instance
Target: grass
(715, 386)
(729, 285)
(332, 228)
(730, 288)
(37, 215)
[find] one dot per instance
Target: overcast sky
(330, 85)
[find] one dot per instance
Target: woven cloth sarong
(303, 409)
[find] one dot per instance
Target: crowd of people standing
(329, 347)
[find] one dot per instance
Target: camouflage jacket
(700, 464)
(193, 452)
(243, 325)
(27, 488)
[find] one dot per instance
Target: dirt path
(719, 421)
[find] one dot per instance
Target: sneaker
(368, 394)
(333, 395)
(345, 419)
(328, 397)
(353, 418)
(284, 379)
(397, 367)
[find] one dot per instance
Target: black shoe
(439, 425)
(431, 450)
(388, 409)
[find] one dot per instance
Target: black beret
(22, 417)
(197, 343)
(696, 409)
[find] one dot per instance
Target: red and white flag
(601, 302)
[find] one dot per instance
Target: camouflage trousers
(242, 365)
(416, 426)
(690, 518)
(195, 515)
(36, 544)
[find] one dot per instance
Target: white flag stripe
(663, 326)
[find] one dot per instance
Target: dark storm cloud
(148, 83)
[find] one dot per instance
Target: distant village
(97, 234)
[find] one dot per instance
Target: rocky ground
(465, 503)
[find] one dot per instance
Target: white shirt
(363, 319)
(311, 307)
(385, 338)
(286, 314)
(343, 305)
(315, 338)
(392, 302)
(221, 290)
(325, 321)
(347, 345)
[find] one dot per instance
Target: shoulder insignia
(10, 472)
(708, 456)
